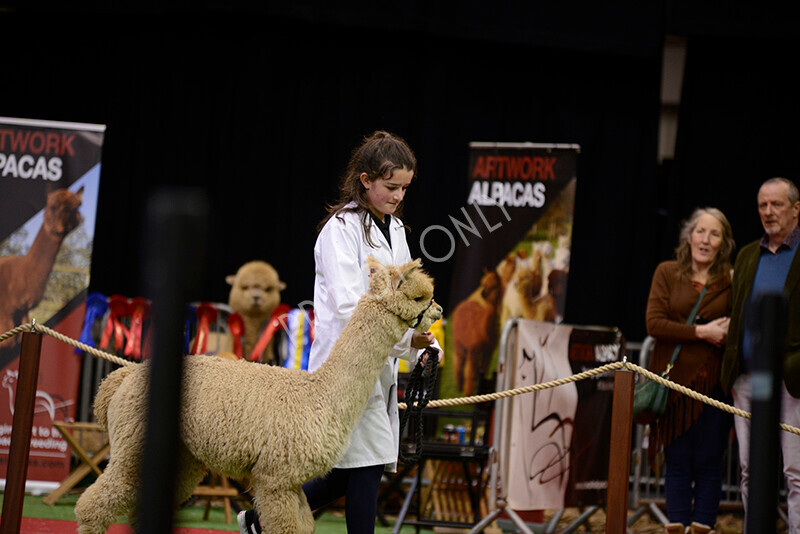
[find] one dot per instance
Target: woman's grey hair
(683, 252)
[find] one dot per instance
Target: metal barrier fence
(647, 487)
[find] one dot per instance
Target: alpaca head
(406, 291)
(61, 214)
(255, 290)
(491, 286)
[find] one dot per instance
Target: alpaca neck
(36, 265)
(351, 370)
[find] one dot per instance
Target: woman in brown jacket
(692, 434)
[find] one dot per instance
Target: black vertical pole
(173, 271)
(766, 322)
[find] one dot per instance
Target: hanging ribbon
(310, 312)
(236, 328)
(139, 310)
(276, 322)
(206, 314)
(191, 321)
(299, 325)
(118, 309)
(96, 306)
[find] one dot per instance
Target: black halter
(419, 317)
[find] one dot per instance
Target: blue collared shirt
(771, 273)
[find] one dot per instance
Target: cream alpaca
(292, 425)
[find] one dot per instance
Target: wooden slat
(24, 401)
(619, 461)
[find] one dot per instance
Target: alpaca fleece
(279, 427)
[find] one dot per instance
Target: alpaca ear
(408, 267)
(399, 277)
(379, 275)
(374, 265)
(230, 279)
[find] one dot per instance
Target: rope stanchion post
(619, 460)
(766, 323)
(24, 401)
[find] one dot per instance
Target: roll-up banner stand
(49, 181)
(512, 241)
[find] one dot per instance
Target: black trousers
(359, 487)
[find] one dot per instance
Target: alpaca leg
(470, 372)
(113, 494)
(190, 472)
(458, 367)
(307, 523)
(284, 511)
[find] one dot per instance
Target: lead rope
(419, 390)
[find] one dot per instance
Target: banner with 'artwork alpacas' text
(512, 254)
(49, 181)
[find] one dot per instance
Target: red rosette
(236, 328)
(139, 309)
(118, 308)
(276, 322)
(206, 314)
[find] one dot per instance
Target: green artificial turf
(188, 516)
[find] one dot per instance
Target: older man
(768, 266)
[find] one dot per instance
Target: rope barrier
(474, 399)
(18, 330)
(688, 392)
(69, 341)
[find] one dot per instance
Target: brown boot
(673, 528)
(700, 528)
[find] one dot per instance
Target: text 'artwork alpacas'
(279, 427)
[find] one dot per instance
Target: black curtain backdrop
(261, 108)
(738, 126)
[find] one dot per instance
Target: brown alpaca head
(406, 291)
(491, 287)
(506, 268)
(255, 290)
(530, 283)
(61, 214)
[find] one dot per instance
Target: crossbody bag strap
(689, 320)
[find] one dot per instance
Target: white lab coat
(342, 277)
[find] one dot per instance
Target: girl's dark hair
(379, 155)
